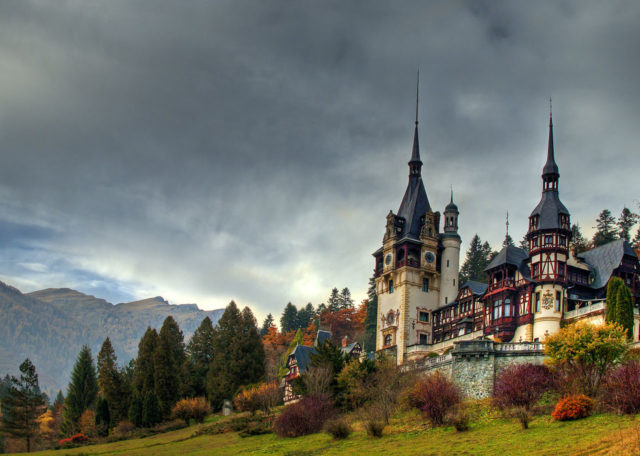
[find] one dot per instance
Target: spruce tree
(103, 417)
(624, 309)
(143, 376)
(59, 401)
(625, 222)
(612, 298)
(151, 412)
(477, 258)
(305, 315)
(110, 381)
(200, 354)
(371, 320)
(333, 303)
(82, 391)
(605, 228)
(578, 241)
(636, 240)
(251, 365)
(346, 302)
(266, 325)
(22, 404)
(166, 381)
(135, 410)
(289, 320)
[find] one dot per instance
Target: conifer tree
(636, 240)
(508, 240)
(605, 228)
(166, 381)
(477, 258)
(251, 365)
(612, 298)
(59, 401)
(22, 404)
(346, 302)
(200, 354)
(151, 412)
(371, 320)
(143, 376)
(103, 417)
(626, 220)
(578, 241)
(82, 391)
(333, 303)
(305, 315)
(266, 325)
(289, 320)
(624, 309)
(110, 382)
(135, 410)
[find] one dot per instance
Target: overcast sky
(250, 150)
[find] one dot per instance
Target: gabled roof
(322, 336)
(477, 288)
(508, 255)
(302, 354)
(349, 348)
(604, 259)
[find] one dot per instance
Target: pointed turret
(415, 164)
(550, 170)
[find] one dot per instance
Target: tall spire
(415, 164)
(550, 169)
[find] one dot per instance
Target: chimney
(345, 341)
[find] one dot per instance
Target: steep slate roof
(508, 255)
(415, 202)
(322, 336)
(477, 288)
(303, 353)
(347, 350)
(604, 259)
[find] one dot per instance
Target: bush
(434, 396)
(87, 423)
(124, 427)
(374, 427)
(522, 385)
(306, 416)
(621, 391)
(196, 409)
(458, 418)
(522, 414)
(338, 428)
(263, 397)
(573, 407)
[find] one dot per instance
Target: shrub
(458, 418)
(87, 423)
(573, 407)
(306, 416)
(521, 385)
(79, 438)
(196, 409)
(434, 396)
(374, 427)
(621, 391)
(338, 428)
(124, 427)
(522, 414)
(65, 442)
(263, 397)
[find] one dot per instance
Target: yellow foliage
(47, 425)
(87, 423)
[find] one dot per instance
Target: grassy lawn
(407, 435)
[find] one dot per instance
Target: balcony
(584, 310)
(411, 262)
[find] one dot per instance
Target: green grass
(407, 435)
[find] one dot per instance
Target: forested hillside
(50, 326)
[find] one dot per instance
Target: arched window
(387, 340)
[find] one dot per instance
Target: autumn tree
(22, 405)
(605, 228)
(82, 391)
(275, 345)
(268, 322)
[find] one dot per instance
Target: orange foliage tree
(345, 322)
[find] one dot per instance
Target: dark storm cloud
(215, 150)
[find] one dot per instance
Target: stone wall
(474, 364)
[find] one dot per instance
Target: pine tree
(250, 367)
(346, 302)
(626, 220)
(333, 303)
(524, 243)
(110, 381)
(578, 242)
(151, 412)
(103, 417)
(289, 319)
(371, 321)
(143, 376)
(612, 298)
(605, 229)
(22, 405)
(82, 391)
(305, 315)
(266, 325)
(167, 363)
(508, 240)
(624, 309)
(200, 354)
(135, 410)
(478, 257)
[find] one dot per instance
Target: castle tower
(450, 255)
(408, 265)
(549, 236)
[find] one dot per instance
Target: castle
(422, 307)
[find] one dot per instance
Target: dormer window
(548, 240)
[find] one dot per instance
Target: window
(425, 285)
(423, 339)
(563, 240)
(561, 268)
(454, 282)
(534, 242)
(390, 286)
(387, 340)
(446, 300)
(507, 307)
(447, 263)
(423, 316)
(538, 302)
(558, 300)
(548, 239)
(497, 309)
(535, 269)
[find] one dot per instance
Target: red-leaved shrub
(573, 407)
(621, 391)
(306, 416)
(434, 396)
(65, 442)
(521, 385)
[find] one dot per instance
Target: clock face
(430, 257)
(387, 259)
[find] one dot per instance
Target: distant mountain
(50, 326)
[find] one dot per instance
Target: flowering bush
(434, 396)
(621, 390)
(573, 408)
(196, 409)
(306, 416)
